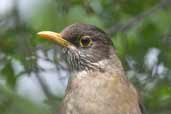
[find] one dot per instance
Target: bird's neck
(110, 65)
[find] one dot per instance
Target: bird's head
(84, 45)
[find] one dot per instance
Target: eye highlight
(86, 41)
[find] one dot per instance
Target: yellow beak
(56, 37)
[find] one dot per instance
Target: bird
(97, 84)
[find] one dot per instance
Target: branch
(43, 85)
(124, 27)
(30, 51)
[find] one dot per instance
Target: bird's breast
(99, 92)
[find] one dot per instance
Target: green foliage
(8, 73)
(18, 42)
(11, 103)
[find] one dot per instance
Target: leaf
(8, 73)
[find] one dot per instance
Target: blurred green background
(33, 75)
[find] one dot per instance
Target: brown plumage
(98, 84)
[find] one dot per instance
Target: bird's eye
(86, 41)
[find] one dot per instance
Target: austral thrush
(98, 84)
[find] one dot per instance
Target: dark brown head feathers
(97, 45)
(74, 31)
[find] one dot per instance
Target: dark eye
(86, 41)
